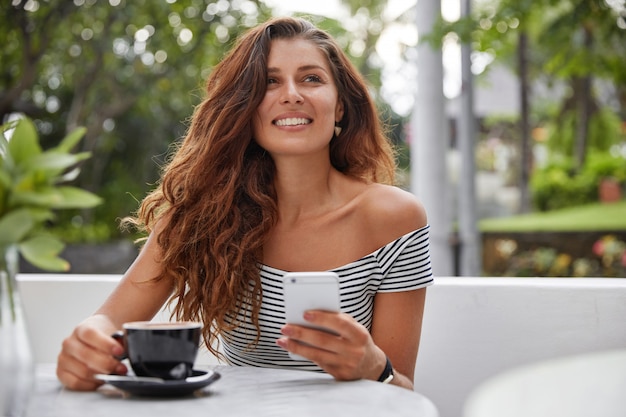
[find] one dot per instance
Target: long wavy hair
(217, 193)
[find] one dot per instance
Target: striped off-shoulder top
(401, 265)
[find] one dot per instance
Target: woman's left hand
(349, 354)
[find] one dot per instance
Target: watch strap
(387, 375)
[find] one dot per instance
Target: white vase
(16, 360)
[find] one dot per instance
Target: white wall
(55, 303)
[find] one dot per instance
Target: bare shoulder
(391, 212)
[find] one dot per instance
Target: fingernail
(286, 330)
(309, 315)
(282, 342)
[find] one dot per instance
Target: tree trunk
(583, 115)
(583, 109)
(526, 156)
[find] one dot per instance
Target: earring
(337, 129)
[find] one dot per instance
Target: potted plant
(609, 190)
(33, 184)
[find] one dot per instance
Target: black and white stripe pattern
(401, 265)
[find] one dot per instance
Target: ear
(339, 111)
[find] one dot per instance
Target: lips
(292, 121)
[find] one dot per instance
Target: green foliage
(558, 185)
(132, 74)
(32, 188)
(571, 43)
(75, 231)
(555, 28)
(605, 131)
(602, 165)
(554, 187)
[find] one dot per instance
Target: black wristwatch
(387, 375)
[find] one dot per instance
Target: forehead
(296, 51)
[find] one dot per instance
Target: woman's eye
(271, 81)
(312, 78)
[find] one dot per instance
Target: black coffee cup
(165, 350)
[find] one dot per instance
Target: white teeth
(293, 121)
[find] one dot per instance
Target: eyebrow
(274, 70)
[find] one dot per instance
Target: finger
(330, 362)
(315, 354)
(317, 338)
(99, 340)
(341, 323)
(91, 357)
(75, 375)
(74, 383)
(325, 349)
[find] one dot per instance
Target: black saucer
(161, 388)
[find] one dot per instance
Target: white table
(241, 391)
(592, 384)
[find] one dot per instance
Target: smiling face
(300, 107)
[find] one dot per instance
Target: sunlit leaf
(54, 162)
(24, 142)
(15, 225)
(73, 197)
(45, 197)
(26, 182)
(43, 252)
(5, 180)
(41, 214)
(4, 145)
(71, 140)
(6, 130)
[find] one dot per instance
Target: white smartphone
(309, 291)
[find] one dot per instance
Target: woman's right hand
(89, 350)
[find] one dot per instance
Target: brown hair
(217, 191)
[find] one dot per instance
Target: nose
(290, 93)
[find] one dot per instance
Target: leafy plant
(555, 187)
(559, 185)
(606, 165)
(32, 187)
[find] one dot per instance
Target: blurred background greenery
(131, 72)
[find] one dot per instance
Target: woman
(284, 168)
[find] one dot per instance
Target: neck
(305, 188)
